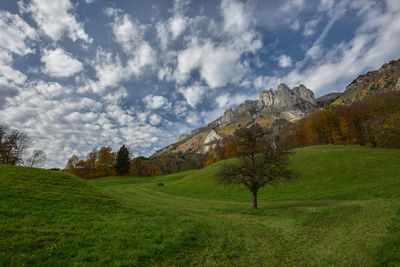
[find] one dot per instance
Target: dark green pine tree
(122, 164)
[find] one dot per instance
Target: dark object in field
(160, 184)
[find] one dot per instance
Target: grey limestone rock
(296, 102)
(212, 137)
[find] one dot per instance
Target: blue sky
(79, 74)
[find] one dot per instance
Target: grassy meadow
(341, 208)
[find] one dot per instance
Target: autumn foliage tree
(106, 162)
(97, 163)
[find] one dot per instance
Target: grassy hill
(342, 208)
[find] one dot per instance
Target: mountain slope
(386, 78)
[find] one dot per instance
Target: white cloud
(326, 5)
(285, 61)
(177, 25)
(309, 27)
(180, 108)
(193, 94)
(315, 52)
(9, 75)
(50, 89)
(171, 29)
(293, 24)
(236, 16)
(218, 66)
(14, 33)
(60, 64)
(225, 101)
(110, 73)
(144, 56)
(180, 6)
(293, 4)
(155, 119)
(129, 34)
(218, 63)
(166, 74)
(15, 39)
(192, 118)
(56, 18)
(6, 91)
(156, 102)
(163, 34)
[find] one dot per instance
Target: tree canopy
(123, 161)
(14, 145)
(259, 161)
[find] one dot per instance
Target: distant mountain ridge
(282, 103)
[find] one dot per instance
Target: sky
(75, 75)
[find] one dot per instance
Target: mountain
(384, 79)
(282, 103)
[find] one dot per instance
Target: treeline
(104, 162)
(15, 148)
(374, 121)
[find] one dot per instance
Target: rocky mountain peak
(282, 87)
(285, 102)
(285, 98)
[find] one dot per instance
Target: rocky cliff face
(282, 103)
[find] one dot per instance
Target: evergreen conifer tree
(122, 162)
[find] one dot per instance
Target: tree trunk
(254, 202)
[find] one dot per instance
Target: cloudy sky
(79, 74)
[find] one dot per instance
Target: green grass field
(341, 208)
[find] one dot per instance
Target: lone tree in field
(122, 162)
(259, 161)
